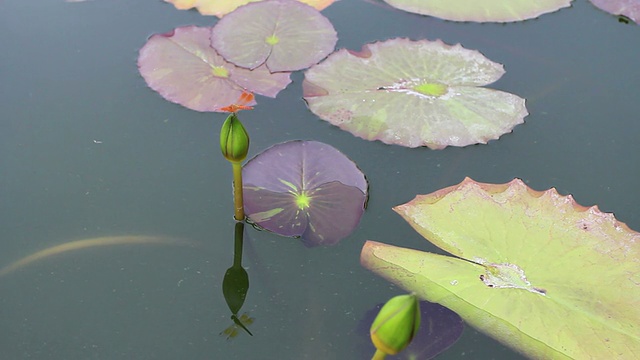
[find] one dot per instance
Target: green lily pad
(535, 270)
(413, 93)
(481, 10)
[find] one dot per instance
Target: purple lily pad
(304, 189)
(439, 329)
(286, 35)
(628, 8)
(182, 67)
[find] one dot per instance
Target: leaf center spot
(431, 89)
(303, 200)
(272, 40)
(219, 71)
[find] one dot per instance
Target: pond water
(87, 150)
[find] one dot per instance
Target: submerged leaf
(184, 69)
(220, 8)
(535, 270)
(481, 10)
(307, 189)
(413, 93)
(286, 35)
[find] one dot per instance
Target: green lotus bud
(396, 324)
(234, 140)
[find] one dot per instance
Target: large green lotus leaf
(286, 35)
(220, 8)
(413, 93)
(481, 10)
(535, 270)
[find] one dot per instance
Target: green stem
(237, 248)
(379, 355)
(237, 191)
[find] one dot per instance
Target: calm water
(87, 150)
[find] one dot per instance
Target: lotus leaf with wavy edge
(535, 270)
(481, 10)
(413, 93)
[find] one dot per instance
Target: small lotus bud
(396, 324)
(234, 140)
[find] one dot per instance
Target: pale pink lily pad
(413, 93)
(481, 10)
(183, 68)
(286, 35)
(628, 8)
(220, 8)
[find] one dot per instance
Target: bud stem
(379, 355)
(237, 191)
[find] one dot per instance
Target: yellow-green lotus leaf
(535, 270)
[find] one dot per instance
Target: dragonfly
(238, 323)
(245, 98)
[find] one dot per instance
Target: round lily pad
(304, 189)
(286, 35)
(413, 93)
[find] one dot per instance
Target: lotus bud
(396, 324)
(234, 140)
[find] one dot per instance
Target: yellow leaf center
(272, 40)
(219, 71)
(431, 89)
(302, 200)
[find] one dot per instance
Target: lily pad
(220, 8)
(535, 270)
(304, 189)
(439, 329)
(183, 68)
(481, 10)
(286, 35)
(413, 93)
(628, 8)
